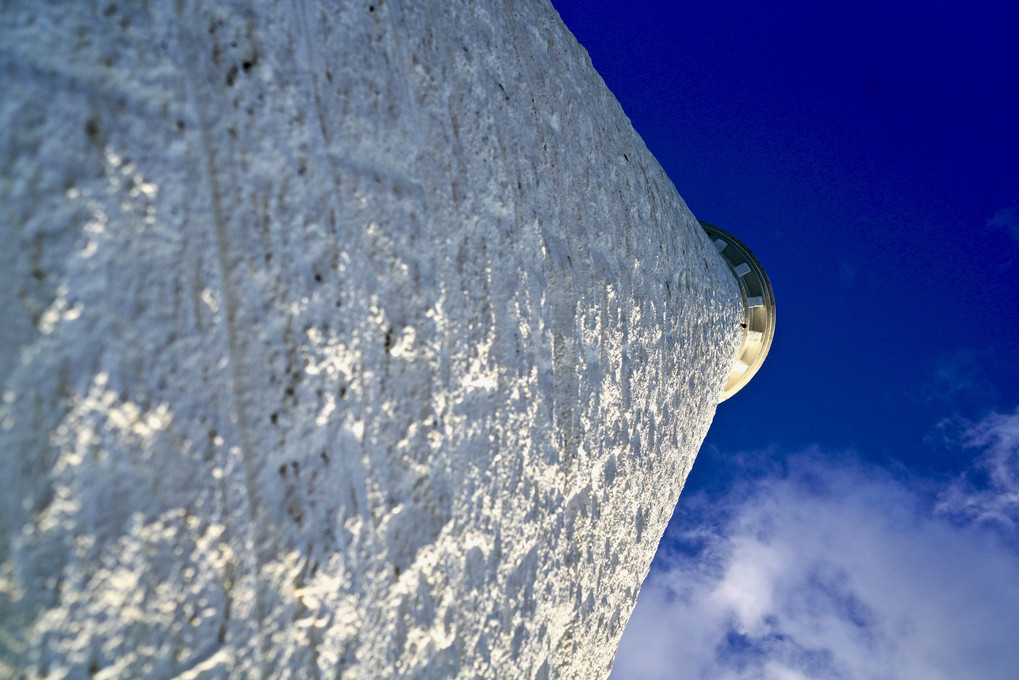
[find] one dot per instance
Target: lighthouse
(363, 339)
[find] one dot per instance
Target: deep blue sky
(860, 149)
(868, 153)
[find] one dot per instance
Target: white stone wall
(339, 339)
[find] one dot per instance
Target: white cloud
(833, 569)
(989, 494)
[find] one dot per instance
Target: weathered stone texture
(340, 339)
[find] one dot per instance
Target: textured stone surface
(358, 339)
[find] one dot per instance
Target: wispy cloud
(833, 568)
(958, 375)
(989, 493)
(1007, 219)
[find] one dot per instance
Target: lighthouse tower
(360, 339)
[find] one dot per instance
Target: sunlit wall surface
(364, 338)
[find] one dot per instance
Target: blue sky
(852, 513)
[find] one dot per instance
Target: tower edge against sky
(367, 336)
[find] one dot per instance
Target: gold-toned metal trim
(758, 308)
